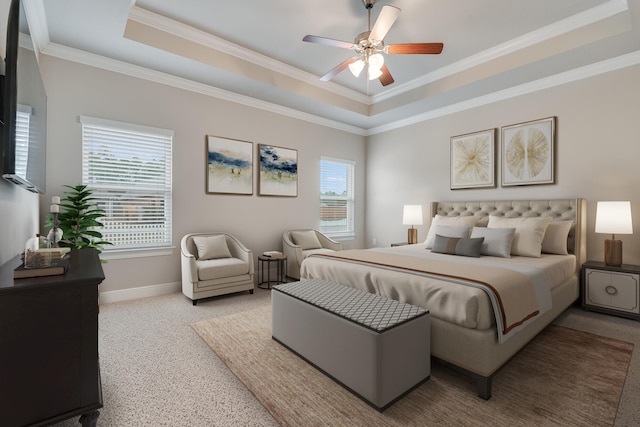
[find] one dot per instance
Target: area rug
(564, 377)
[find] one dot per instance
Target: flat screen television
(24, 112)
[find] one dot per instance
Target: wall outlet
(374, 241)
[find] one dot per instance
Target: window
(128, 167)
(23, 119)
(336, 197)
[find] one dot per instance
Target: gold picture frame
(528, 153)
(473, 160)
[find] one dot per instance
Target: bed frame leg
(484, 387)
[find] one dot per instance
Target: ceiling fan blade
(414, 48)
(387, 17)
(385, 78)
(338, 69)
(327, 41)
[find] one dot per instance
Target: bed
(469, 328)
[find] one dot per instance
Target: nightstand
(611, 290)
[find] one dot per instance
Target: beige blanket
(514, 292)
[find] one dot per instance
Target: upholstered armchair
(214, 264)
(299, 244)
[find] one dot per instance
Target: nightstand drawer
(612, 290)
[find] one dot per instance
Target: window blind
(23, 120)
(129, 169)
(337, 204)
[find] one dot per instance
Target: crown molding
(585, 72)
(195, 35)
(38, 28)
(558, 28)
(93, 60)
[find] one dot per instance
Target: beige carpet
(564, 377)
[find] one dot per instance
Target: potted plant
(79, 219)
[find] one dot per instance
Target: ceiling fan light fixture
(376, 61)
(374, 73)
(356, 67)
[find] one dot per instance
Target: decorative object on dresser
(54, 268)
(528, 152)
(613, 218)
(49, 360)
(229, 166)
(78, 219)
(412, 215)
(611, 289)
(473, 160)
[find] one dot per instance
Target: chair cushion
(212, 247)
(222, 267)
(306, 239)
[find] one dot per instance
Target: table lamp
(613, 218)
(412, 215)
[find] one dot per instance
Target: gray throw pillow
(497, 241)
(457, 245)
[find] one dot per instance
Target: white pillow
(497, 241)
(306, 239)
(452, 221)
(555, 238)
(527, 239)
(212, 247)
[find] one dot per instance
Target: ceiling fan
(370, 44)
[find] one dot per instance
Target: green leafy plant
(79, 219)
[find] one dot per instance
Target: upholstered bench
(376, 347)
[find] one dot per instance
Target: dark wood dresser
(49, 366)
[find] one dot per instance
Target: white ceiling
(252, 51)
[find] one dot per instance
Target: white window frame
(144, 226)
(348, 231)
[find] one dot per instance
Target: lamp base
(412, 236)
(613, 252)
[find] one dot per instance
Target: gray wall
(75, 90)
(597, 152)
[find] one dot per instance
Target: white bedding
(467, 306)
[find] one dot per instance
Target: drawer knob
(611, 290)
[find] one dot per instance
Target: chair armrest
(188, 262)
(240, 251)
(328, 243)
(291, 250)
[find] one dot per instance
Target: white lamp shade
(412, 215)
(356, 67)
(614, 218)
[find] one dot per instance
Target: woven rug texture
(564, 377)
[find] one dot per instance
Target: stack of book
(55, 253)
(58, 266)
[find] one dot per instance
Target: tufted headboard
(560, 209)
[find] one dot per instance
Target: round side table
(281, 269)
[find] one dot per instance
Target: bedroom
(596, 159)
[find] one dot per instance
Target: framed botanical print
(278, 171)
(229, 166)
(473, 160)
(528, 152)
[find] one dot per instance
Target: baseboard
(140, 292)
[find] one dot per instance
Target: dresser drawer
(612, 290)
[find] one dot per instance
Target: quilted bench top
(364, 308)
